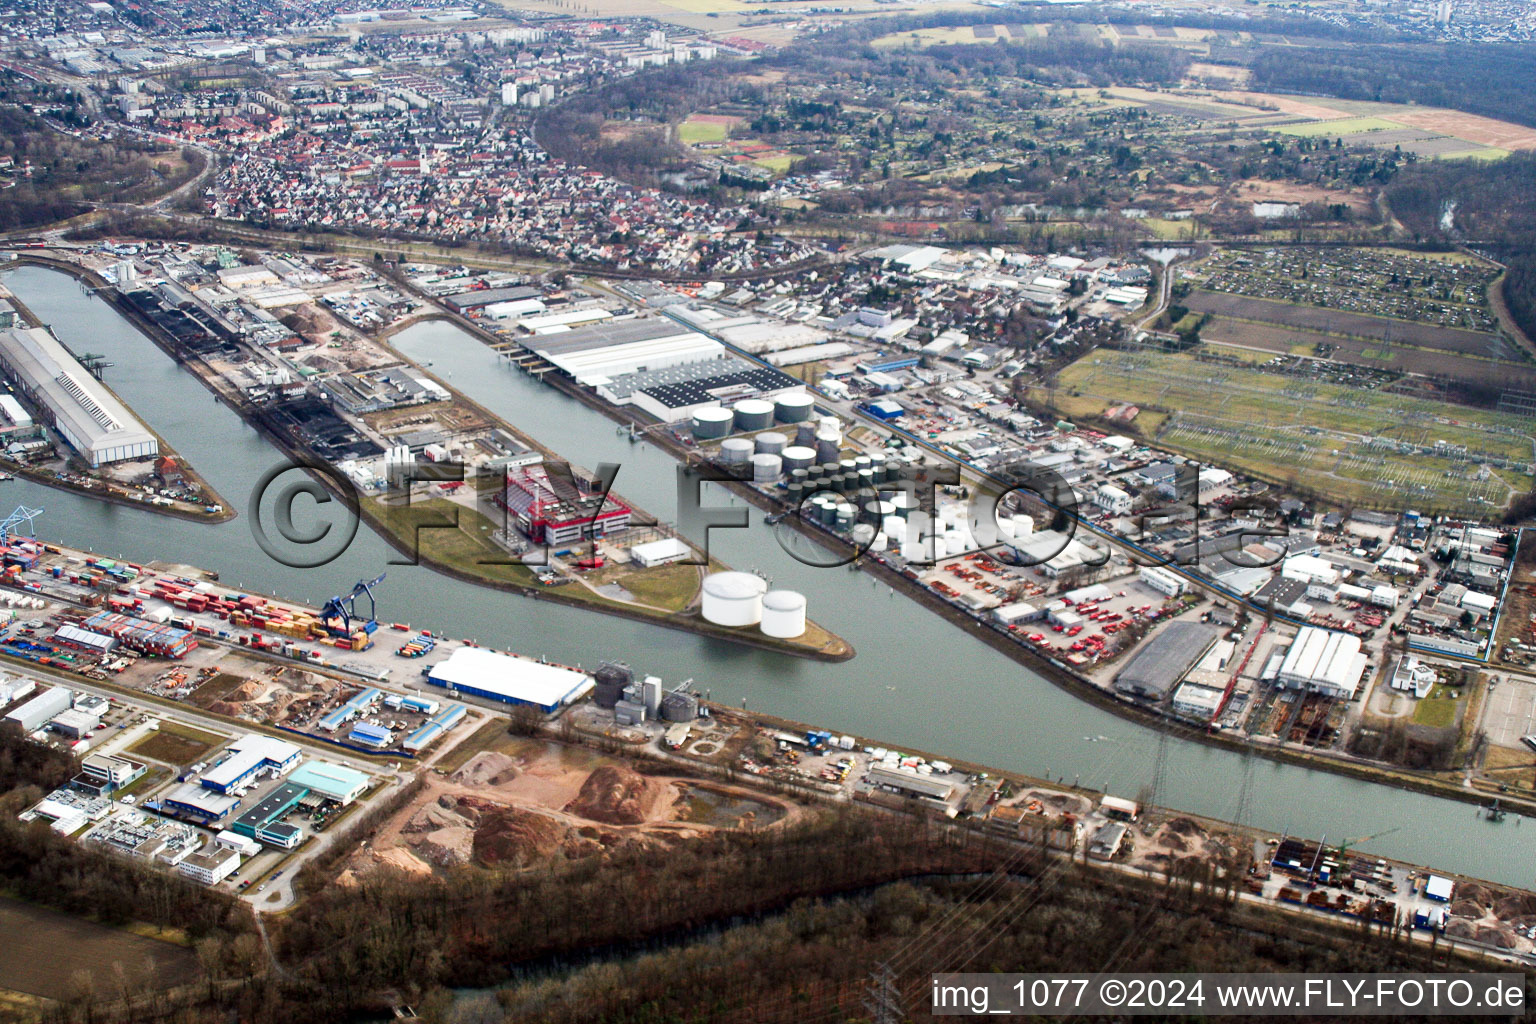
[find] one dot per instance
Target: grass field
(55, 953)
(692, 132)
(174, 743)
(1352, 444)
(1437, 711)
(1348, 126)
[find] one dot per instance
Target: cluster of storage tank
(741, 599)
(615, 687)
(750, 415)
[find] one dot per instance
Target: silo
(805, 434)
(794, 408)
(679, 707)
(753, 414)
(783, 614)
(735, 451)
(733, 598)
(766, 468)
(609, 681)
(712, 423)
(798, 459)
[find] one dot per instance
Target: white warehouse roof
(506, 676)
(89, 416)
(1322, 659)
(248, 752)
(595, 355)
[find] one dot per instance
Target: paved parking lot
(1510, 711)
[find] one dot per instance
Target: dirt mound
(1467, 908)
(615, 795)
(248, 690)
(447, 847)
(1514, 906)
(1480, 894)
(486, 769)
(1184, 826)
(1501, 937)
(228, 710)
(443, 814)
(512, 836)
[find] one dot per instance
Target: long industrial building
(512, 680)
(595, 355)
(1166, 659)
(80, 408)
(1323, 661)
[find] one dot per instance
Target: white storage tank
(797, 457)
(783, 614)
(794, 408)
(771, 442)
(712, 423)
(766, 468)
(733, 598)
(735, 451)
(753, 414)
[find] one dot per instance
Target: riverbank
(1077, 685)
(401, 537)
(50, 478)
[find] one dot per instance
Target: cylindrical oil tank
(826, 510)
(861, 462)
(734, 451)
(783, 614)
(795, 493)
(905, 504)
(879, 511)
(895, 528)
(609, 681)
(712, 423)
(733, 598)
(766, 468)
(798, 458)
(794, 408)
(816, 471)
(805, 434)
(771, 442)
(879, 542)
(800, 475)
(846, 466)
(845, 513)
(862, 534)
(753, 414)
(878, 462)
(679, 707)
(867, 479)
(826, 449)
(954, 541)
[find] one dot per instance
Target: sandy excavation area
(543, 800)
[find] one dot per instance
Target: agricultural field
(1313, 424)
(81, 954)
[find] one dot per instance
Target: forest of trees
(1480, 78)
(67, 172)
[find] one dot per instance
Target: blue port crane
(19, 522)
(339, 612)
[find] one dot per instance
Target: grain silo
(794, 408)
(733, 598)
(783, 614)
(753, 414)
(712, 423)
(609, 681)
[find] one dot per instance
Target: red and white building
(560, 511)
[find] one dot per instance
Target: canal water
(917, 681)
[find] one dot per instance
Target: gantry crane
(340, 613)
